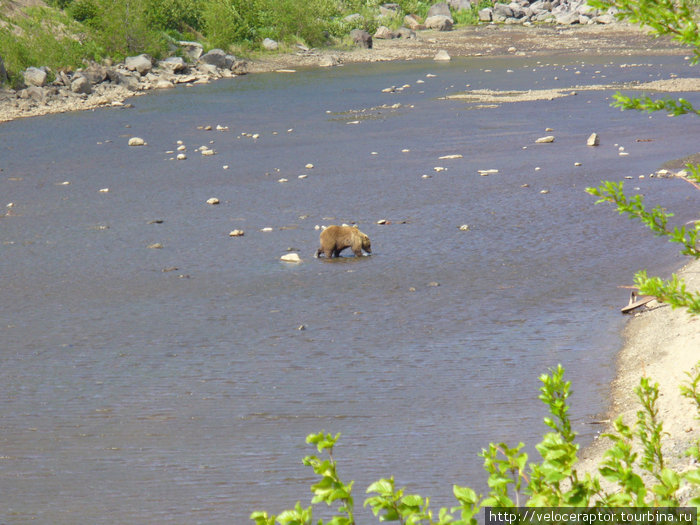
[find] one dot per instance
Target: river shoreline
(491, 40)
(661, 344)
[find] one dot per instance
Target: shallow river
(131, 394)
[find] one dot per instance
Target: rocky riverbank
(108, 85)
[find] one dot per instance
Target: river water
(174, 385)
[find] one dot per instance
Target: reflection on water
(133, 394)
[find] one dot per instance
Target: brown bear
(335, 239)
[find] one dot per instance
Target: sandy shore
(662, 344)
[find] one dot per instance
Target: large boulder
(33, 76)
(486, 14)
(141, 63)
(173, 64)
(389, 10)
(215, 57)
(239, 67)
(270, 45)
(35, 93)
(405, 33)
(502, 11)
(383, 32)
(439, 22)
(460, 5)
(127, 80)
(95, 73)
(441, 8)
(413, 22)
(361, 38)
(193, 50)
(81, 85)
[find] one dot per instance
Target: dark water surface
(129, 394)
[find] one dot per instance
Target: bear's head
(366, 245)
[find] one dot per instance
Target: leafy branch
(554, 482)
(674, 290)
(664, 17)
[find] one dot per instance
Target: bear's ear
(356, 226)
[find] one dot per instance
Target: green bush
(83, 10)
(121, 28)
(226, 22)
(513, 482)
(175, 15)
(44, 37)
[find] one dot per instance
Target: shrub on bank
(635, 479)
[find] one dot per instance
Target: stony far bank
(564, 27)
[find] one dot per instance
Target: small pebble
(236, 233)
(213, 200)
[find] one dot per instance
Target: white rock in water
(136, 141)
(442, 56)
(309, 166)
(439, 168)
(593, 140)
(213, 200)
(464, 227)
(181, 156)
(104, 190)
(266, 229)
(236, 233)
(208, 152)
(457, 156)
(181, 147)
(291, 257)
(545, 140)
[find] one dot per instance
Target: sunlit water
(129, 394)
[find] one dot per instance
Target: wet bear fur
(335, 239)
